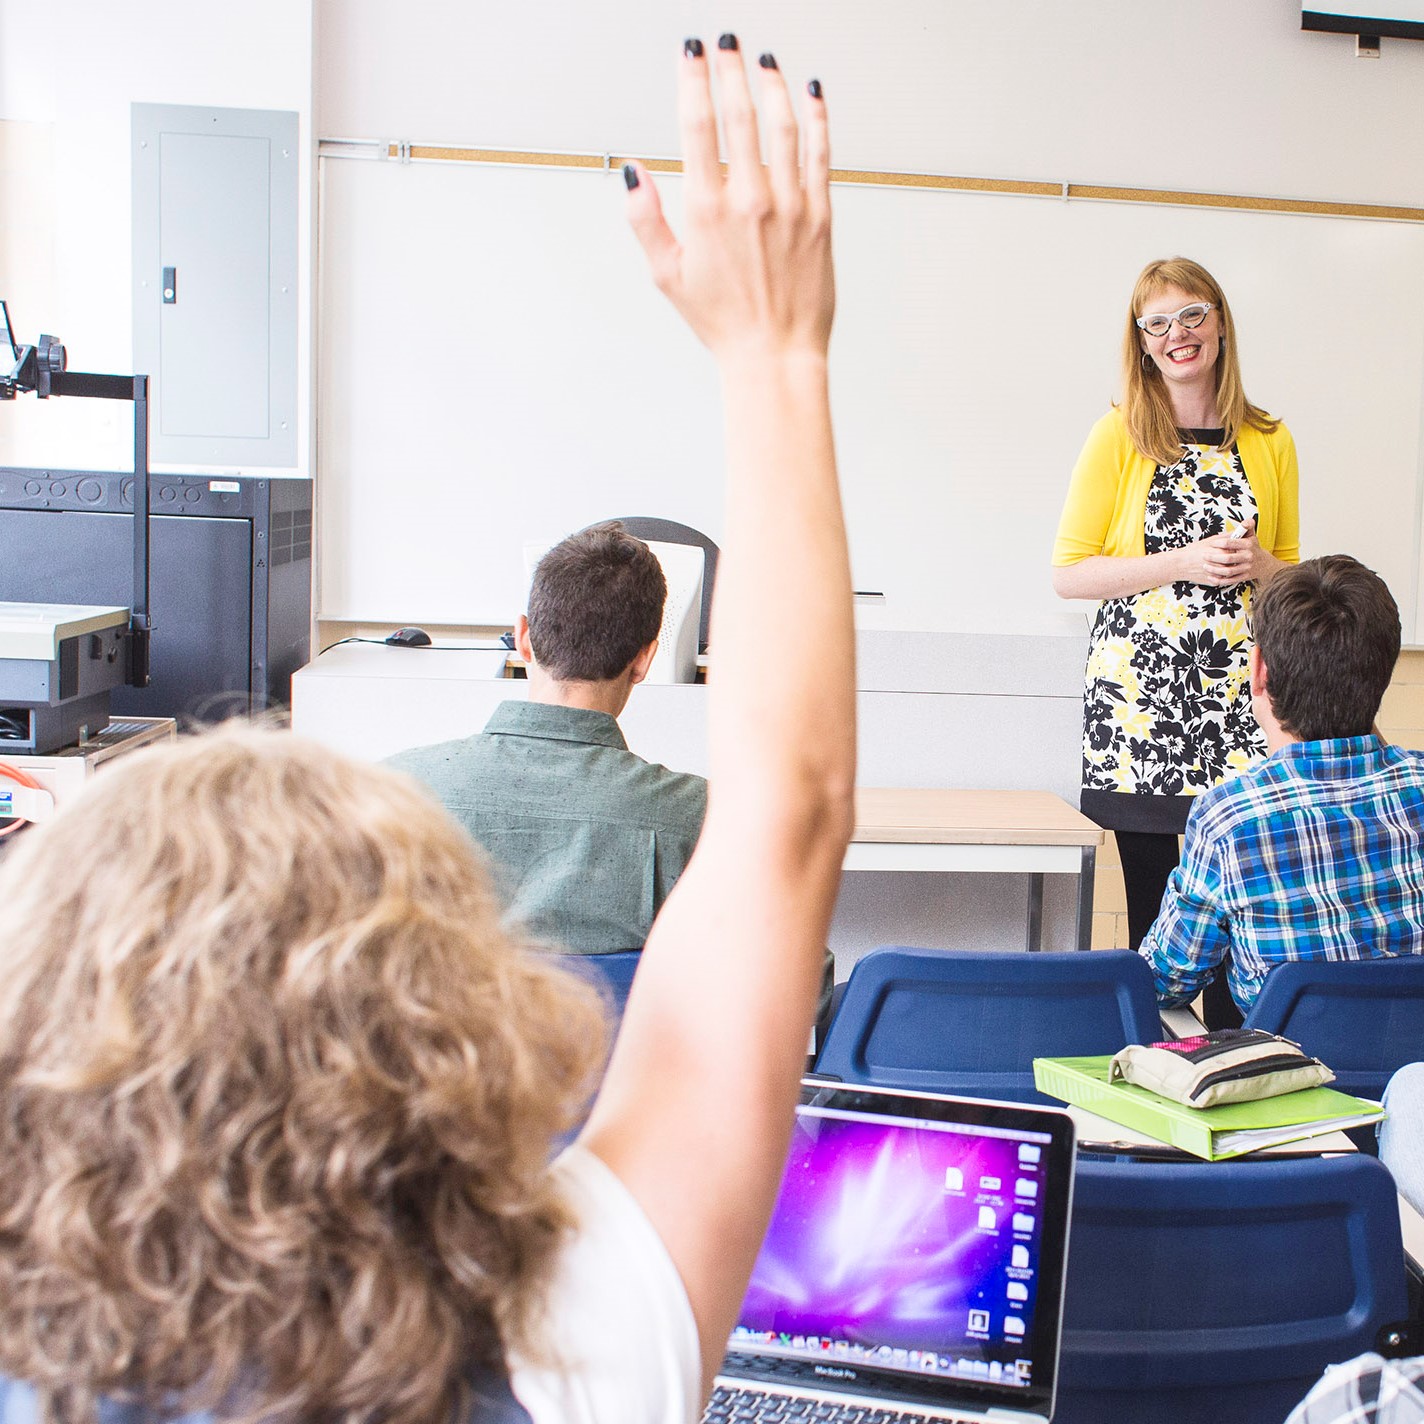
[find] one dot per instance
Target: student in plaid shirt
(1317, 852)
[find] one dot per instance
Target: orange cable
(25, 779)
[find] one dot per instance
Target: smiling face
(1185, 357)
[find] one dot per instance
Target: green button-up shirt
(587, 838)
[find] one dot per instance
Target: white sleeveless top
(623, 1346)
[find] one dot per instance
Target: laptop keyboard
(754, 1406)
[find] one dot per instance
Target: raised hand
(753, 266)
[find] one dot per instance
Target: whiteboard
(496, 368)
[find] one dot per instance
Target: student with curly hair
(279, 1095)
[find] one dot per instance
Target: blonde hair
(278, 1094)
(1145, 406)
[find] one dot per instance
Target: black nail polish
(692, 48)
(726, 41)
(630, 176)
(767, 61)
(814, 88)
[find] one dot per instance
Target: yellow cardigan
(1107, 496)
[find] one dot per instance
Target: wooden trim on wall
(1066, 192)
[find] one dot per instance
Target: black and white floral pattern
(1167, 707)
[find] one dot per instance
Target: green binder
(1210, 1133)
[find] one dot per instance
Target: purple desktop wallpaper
(892, 1235)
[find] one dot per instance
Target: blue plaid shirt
(1317, 853)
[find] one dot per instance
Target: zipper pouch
(1228, 1065)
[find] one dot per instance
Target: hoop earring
(1147, 363)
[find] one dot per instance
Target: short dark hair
(1328, 630)
(595, 603)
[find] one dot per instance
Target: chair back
(1363, 1018)
(971, 1023)
(612, 972)
(669, 531)
(1219, 1291)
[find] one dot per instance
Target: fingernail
(767, 61)
(692, 48)
(814, 88)
(726, 41)
(630, 176)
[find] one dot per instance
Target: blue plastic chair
(1363, 1018)
(1217, 1292)
(971, 1023)
(611, 972)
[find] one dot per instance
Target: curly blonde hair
(1146, 407)
(278, 1095)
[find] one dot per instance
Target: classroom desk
(932, 711)
(1033, 833)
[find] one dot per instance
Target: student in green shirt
(587, 838)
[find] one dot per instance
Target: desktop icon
(988, 1221)
(1023, 1221)
(953, 1179)
(978, 1322)
(989, 1184)
(1016, 1290)
(1018, 1258)
(1026, 1187)
(1028, 1153)
(1013, 1325)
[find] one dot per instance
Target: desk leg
(1085, 897)
(1035, 913)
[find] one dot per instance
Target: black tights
(1148, 858)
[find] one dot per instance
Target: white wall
(68, 74)
(1221, 95)
(537, 382)
(1215, 95)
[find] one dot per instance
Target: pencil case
(1229, 1065)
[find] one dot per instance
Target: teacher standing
(1182, 501)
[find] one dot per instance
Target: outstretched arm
(696, 1108)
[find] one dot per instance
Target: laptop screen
(915, 1252)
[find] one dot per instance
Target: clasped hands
(1226, 559)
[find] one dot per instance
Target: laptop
(913, 1267)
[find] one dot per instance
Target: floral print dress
(1167, 706)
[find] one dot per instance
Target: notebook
(1215, 1133)
(914, 1262)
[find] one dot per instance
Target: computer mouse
(410, 638)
